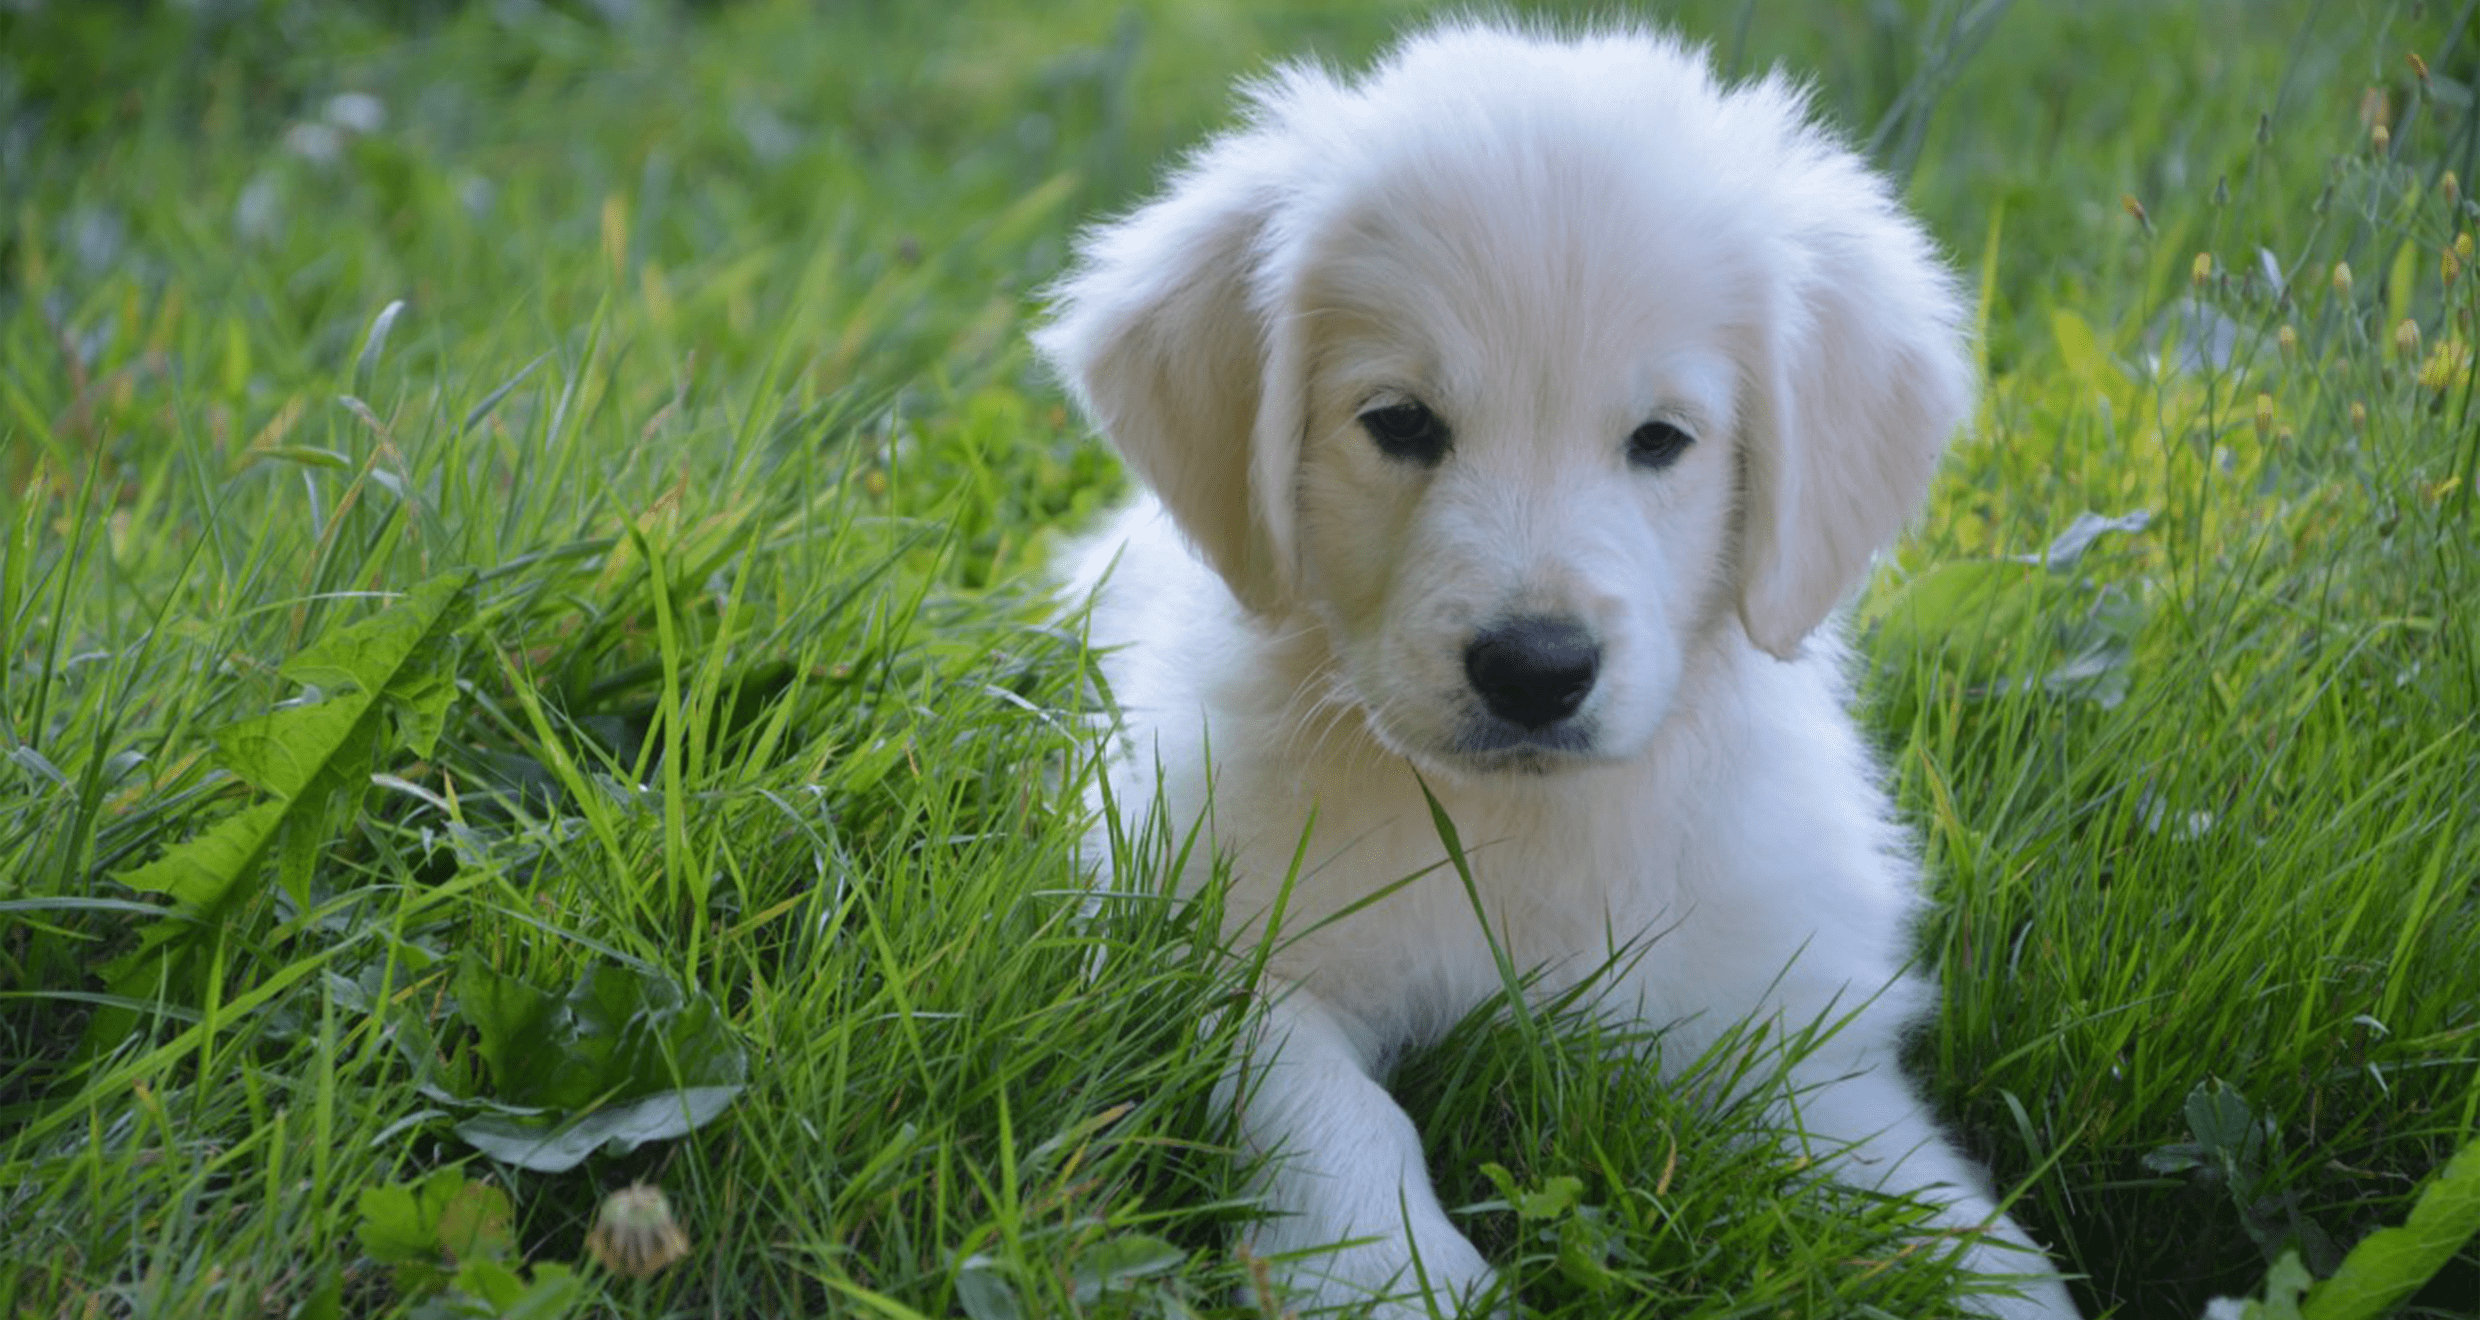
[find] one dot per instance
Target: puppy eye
(1656, 445)
(1407, 431)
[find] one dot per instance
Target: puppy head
(1526, 367)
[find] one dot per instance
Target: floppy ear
(1164, 334)
(1863, 374)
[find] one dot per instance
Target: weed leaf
(200, 874)
(1118, 1263)
(417, 1227)
(316, 759)
(2391, 1263)
(2018, 625)
(2088, 527)
(622, 1059)
(549, 1145)
(984, 1292)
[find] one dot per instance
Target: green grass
(682, 347)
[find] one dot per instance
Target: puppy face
(1523, 368)
(1518, 465)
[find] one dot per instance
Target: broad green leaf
(401, 654)
(326, 1298)
(984, 1292)
(201, 873)
(406, 1226)
(1117, 1262)
(2081, 350)
(2069, 546)
(493, 1283)
(2219, 1117)
(552, 1290)
(619, 1032)
(1585, 1241)
(2012, 625)
(1961, 609)
(504, 1012)
(2391, 1263)
(548, 1145)
(2284, 1282)
(285, 751)
(476, 1221)
(316, 759)
(1556, 1197)
(400, 1221)
(624, 1058)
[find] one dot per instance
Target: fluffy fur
(1608, 656)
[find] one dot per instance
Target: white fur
(1548, 242)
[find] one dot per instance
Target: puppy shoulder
(1162, 625)
(1812, 795)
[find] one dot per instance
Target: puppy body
(1526, 407)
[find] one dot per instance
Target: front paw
(1438, 1277)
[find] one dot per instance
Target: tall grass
(559, 491)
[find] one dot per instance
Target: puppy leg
(1342, 1164)
(1889, 1140)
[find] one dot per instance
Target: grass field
(524, 669)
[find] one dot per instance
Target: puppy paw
(2036, 1298)
(1395, 1279)
(2019, 1282)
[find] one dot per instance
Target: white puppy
(1527, 405)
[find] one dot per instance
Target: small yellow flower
(2449, 267)
(2287, 339)
(2407, 338)
(2202, 270)
(2359, 418)
(2342, 279)
(634, 1234)
(2380, 139)
(2264, 417)
(2447, 364)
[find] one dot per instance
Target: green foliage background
(520, 542)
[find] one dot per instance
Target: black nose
(1533, 672)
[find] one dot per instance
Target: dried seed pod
(635, 1234)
